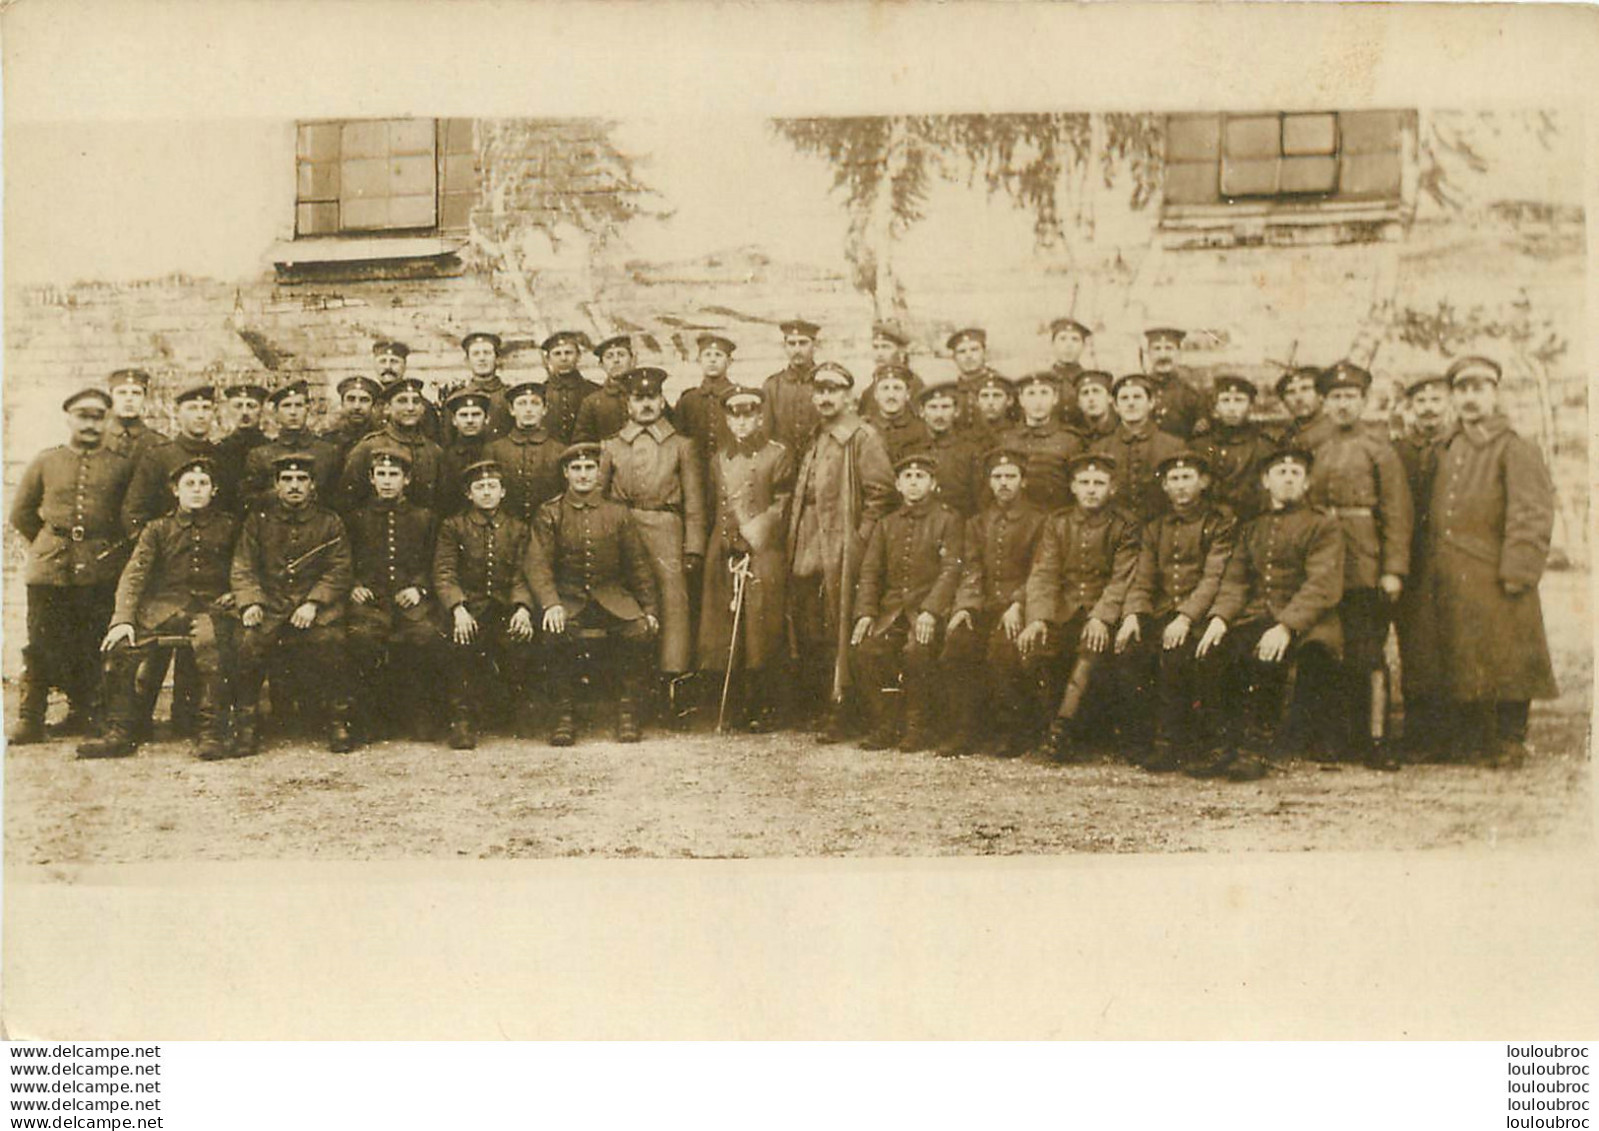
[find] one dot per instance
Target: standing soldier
(291, 577)
(752, 481)
(128, 435)
(468, 415)
(390, 359)
(291, 404)
(1300, 391)
(1359, 480)
(790, 415)
(844, 486)
(66, 507)
(1079, 577)
(969, 347)
(1096, 417)
(588, 569)
(959, 461)
(1067, 339)
(604, 411)
(1179, 407)
(891, 348)
(980, 662)
(174, 586)
(245, 399)
(566, 388)
(891, 413)
(1427, 722)
(907, 589)
(482, 351)
(528, 457)
(1183, 556)
(150, 491)
(357, 400)
(1490, 522)
(393, 639)
(1234, 448)
(404, 413)
(994, 411)
(1277, 609)
(477, 573)
(698, 414)
(1137, 447)
(1047, 443)
(653, 470)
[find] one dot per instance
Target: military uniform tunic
(601, 414)
(1358, 478)
(1287, 568)
(790, 415)
(1179, 408)
(233, 456)
(458, 455)
(498, 418)
(477, 561)
(587, 552)
(699, 415)
(960, 469)
(287, 556)
(912, 565)
(149, 492)
(391, 545)
(131, 438)
(564, 395)
(530, 463)
(901, 433)
(1049, 447)
(1235, 454)
(259, 474)
(355, 487)
(1138, 452)
(66, 507)
(179, 568)
(1083, 566)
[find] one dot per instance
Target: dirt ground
(699, 795)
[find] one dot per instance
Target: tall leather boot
(627, 728)
(33, 701)
(246, 740)
(340, 740)
(463, 735)
(563, 695)
(119, 741)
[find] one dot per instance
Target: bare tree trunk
(888, 295)
(1568, 534)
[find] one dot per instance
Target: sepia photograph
(400, 486)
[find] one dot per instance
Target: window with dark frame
(385, 175)
(1282, 154)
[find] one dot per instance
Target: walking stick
(740, 569)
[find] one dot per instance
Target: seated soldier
(1079, 577)
(1278, 605)
(980, 664)
(907, 587)
(174, 588)
(478, 577)
(588, 568)
(1179, 573)
(393, 634)
(291, 576)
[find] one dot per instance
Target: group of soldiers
(1068, 563)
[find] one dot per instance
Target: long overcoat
(752, 484)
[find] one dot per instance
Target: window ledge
(318, 258)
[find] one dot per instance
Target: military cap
(720, 341)
(890, 333)
(1298, 455)
(1000, 457)
(481, 336)
(1421, 383)
(1133, 379)
(927, 461)
(197, 393)
(1042, 377)
(586, 450)
(194, 463)
(898, 372)
(359, 381)
(100, 395)
(995, 381)
(1232, 383)
(1184, 458)
(743, 399)
(401, 385)
(1343, 375)
(976, 334)
(391, 456)
(945, 390)
(832, 373)
(289, 390)
(522, 388)
(577, 337)
(801, 326)
(1082, 461)
(1164, 334)
(1294, 374)
(623, 340)
(397, 348)
(1095, 377)
(1474, 368)
(482, 469)
(122, 377)
(246, 389)
(1060, 324)
(466, 398)
(294, 461)
(645, 381)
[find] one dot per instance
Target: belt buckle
(76, 533)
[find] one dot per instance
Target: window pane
(1310, 134)
(1249, 178)
(1255, 137)
(316, 219)
(411, 176)
(1191, 182)
(411, 135)
(319, 181)
(364, 139)
(1369, 131)
(359, 215)
(411, 211)
(1309, 174)
(319, 141)
(1370, 175)
(1193, 137)
(366, 178)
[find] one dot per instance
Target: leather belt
(659, 509)
(72, 533)
(1352, 512)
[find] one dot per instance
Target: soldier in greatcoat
(291, 577)
(907, 589)
(590, 572)
(127, 434)
(604, 411)
(844, 486)
(752, 481)
(1048, 444)
(1235, 447)
(1137, 446)
(529, 456)
(174, 587)
(981, 667)
(1489, 527)
(1277, 609)
(66, 507)
(404, 412)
